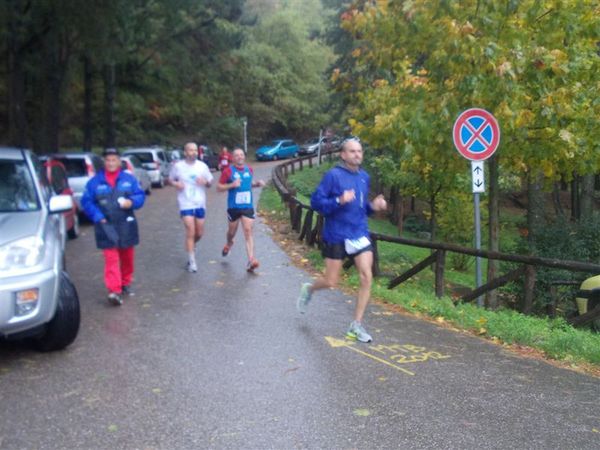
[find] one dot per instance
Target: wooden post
(307, 228)
(310, 163)
(301, 164)
(292, 165)
(440, 262)
(376, 271)
(530, 275)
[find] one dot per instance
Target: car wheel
(295, 154)
(275, 157)
(161, 183)
(73, 233)
(64, 326)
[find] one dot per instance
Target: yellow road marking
(335, 343)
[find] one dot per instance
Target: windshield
(17, 191)
(313, 141)
(76, 167)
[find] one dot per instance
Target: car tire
(161, 183)
(64, 326)
(295, 154)
(73, 233)
(148, 190)
(275, 157)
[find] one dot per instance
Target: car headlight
(21, 254)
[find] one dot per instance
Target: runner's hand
(379, 203)
(236, 183)
(201, 181)
(347, 197)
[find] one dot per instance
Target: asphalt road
(221, 359)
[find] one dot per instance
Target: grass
(554, 337)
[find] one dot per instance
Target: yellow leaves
(356, 52)
(467, 28)
(524, 118)
(440, 319)
(335, 75)
(481, 321)
(481, 331)
(547, 168)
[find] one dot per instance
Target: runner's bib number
(242, 198)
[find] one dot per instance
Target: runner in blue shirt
(237, 179)
(342, 198)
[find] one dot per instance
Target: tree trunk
(432, 221)
(556, 200)
(400, 215)
(491, 297)
(394, 203)
(17, 121)
(535, 209)
(575, 211)
(587, 197)
(110, 138)
(87, 104)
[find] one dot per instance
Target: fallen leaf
(175, 290)
(362, 412)
(156, 390)
(482, 331)
(112, 428)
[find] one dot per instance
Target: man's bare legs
(194, 229)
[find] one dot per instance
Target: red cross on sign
(476, 134)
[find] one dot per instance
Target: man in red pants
(109, 200)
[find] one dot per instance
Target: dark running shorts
(234, 214)
(338, 251)
(198, 213)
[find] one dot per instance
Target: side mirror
(60, 204)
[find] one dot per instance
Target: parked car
(80, 168)
(210, 157)
(59, 182)
(155, 161)
(328, 144)
(279, 148)
(37, 298)
(133, 165)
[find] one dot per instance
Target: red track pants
(118, 268)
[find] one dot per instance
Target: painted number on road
(393, 355)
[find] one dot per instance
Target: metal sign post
(476, 136)
(319, 150)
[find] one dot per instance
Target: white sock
(192, 257)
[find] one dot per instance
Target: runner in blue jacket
(342, 198)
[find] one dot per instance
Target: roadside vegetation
(555, 338)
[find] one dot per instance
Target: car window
(58, 179)
(135, 161)
(145, 157)
(162, 156)
(75, 167)
(98, 163)
(17, 189)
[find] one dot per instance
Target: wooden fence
(310, 230)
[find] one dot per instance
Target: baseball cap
(110, 151)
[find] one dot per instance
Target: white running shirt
(191, 196)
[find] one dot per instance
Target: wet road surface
(221, 359)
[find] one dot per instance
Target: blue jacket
(99, 202)
(347, 221)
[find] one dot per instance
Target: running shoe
(126, 290)
(191, 267)
(304, 298)
(226, 249)
(115, 298)
(252, 264)
(358, 333)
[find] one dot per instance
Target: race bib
(224, 162)
(353, 246)
(242, 198)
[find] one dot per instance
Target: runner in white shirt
(191, 177)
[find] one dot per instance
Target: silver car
(81, 167)
(132, 164)
(155, 161)
(37, 298)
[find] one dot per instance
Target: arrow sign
(478, 176)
